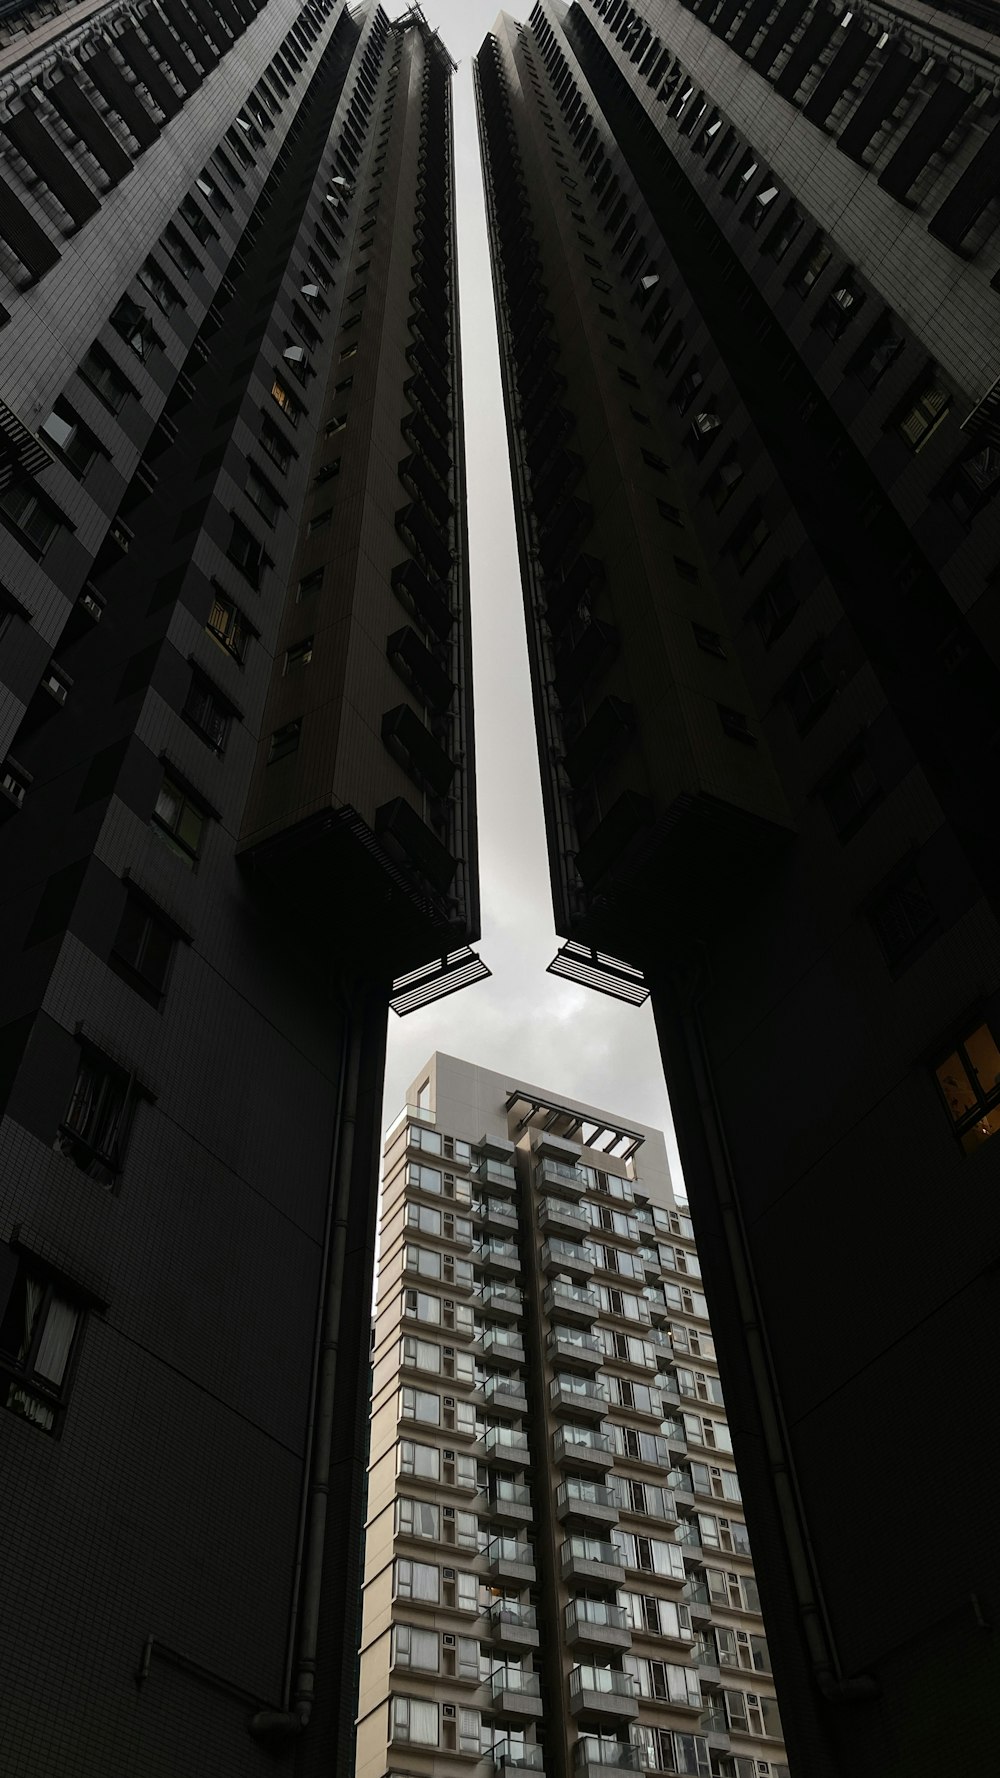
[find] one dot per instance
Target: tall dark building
(237, 800)
(746, 270)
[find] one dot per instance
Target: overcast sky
(523, 1021)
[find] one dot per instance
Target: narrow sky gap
(522, 1020)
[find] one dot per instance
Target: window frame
(19, 1373)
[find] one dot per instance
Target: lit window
(291, 408)
(299, 655)
(67, 434)
(39, 1329)
(969, 1082)
(925, 408)
(227, 626)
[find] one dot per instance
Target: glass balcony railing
(514, 1679)
(575, 1437)
(576, 1251)
(502, 1339)
(573, 1296)
(509, 1611)
(577, 1338)
(493, 1173)
(506, 1388)
(591, 1549)
(502, 1295)
(599, 1612)
(617, 1756)
(508, 1549)
(517, 1756)
(506, 1438)
(601, 1679)
(590, 1493)
(495, 1247)
(565, 1384)
(562, 1170)
(563, 1208)
(509, 1494)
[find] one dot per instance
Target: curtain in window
(56, 1340)
(23, 1403)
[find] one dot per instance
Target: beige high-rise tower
(557, 1575)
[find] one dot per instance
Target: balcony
(420, 534)
(421, 436)
(507, 1447)
(426, 599)
(579, 1396)
(586, 653)
(499, 1214)
(658, 1309)
(514, 1757)
(601, 1693)
(574, 1348)
(509, 1560)
(501, 1299)
(497, 1255)
(515, 1694)
(563, 531)
(582, 1447)
(596, 1623)
(419, 668)
(495, 1174)
(546, 1145)
(503, 1346)
(508, 1502)
(570, 1303)
(420, 480)
(560, 1177)
(584, 1502)
(557, 1216)
(505, 1395)
(698, 1601)
(568, 1257)
(592, 1561)
(513, 1628)
(563, 597)
(596, 1758)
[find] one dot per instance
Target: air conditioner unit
(448, 1711)
(450, 1573)
(449, 1401)
(449, 1456)
(449, 1351)
(448, 1640)
(449, 1512)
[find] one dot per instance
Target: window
(276, 446)
(419, 1305)
(211, 191)
(686, 570)
(260, 493)
(415, 1648)
(973, 482)
(969, 1082)
(625, 376)
(135, 327)
(736, 725)
(309, 584)
(902, 916)
(784, 232)
(208, 712)
(880, 350)
(841, 307)
(327, 472)
(774, 610)
(417, 1580)
(415, 1720)
(66, 433)
(179, 820)
(654, 462)
(724, 482)
(749, 539)
(850, 793)
(197, 221)
(106, 380)
(810, 267)
(30, 515)
(180, 252)
(342, 387)
(39, 1330)
(143, 947)
(247, 552)
(291, 408)
(337, 424)
(420, 1404)
(299, 655)
(924, 409)
(349, 352)
(227, 626)
(419, 1460)
(808, 691)
(321, 520)
(95, 1129)
(668, 512)
(418, 1518)
(709, 640)
(285, 740)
